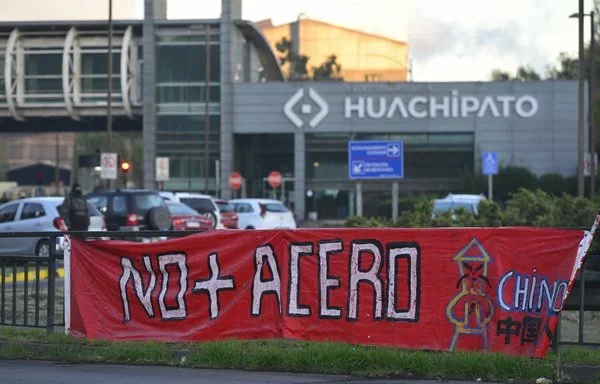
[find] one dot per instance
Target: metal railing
(28, 291)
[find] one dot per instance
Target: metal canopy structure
(76, 85)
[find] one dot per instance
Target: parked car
(262, 214)
(132, 209)
(229, 218)
(452, 202)
(36, 214)
(203, 204)
(185, 218)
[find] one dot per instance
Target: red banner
(491, 289)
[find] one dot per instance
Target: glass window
(8, 213)
(119, 205)
(43, 64)
(96, 63)
(181, 63)
(225, 206)
(32, 211)
(243, 208)
(100, 202)
(181, 210)
(274, 207)
(144, 202)
(199, 204)
(215, 63)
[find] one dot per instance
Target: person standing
(75, 210)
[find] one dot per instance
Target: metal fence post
(52, 257)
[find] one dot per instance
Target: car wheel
(249, 227)
(42, 248)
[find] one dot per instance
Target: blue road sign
(375, 160)
(489, 163)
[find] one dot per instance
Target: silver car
(36, 214)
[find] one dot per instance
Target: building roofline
(53, 25)
(401, 42)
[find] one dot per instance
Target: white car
(36, 214)
(262, 214)
(453, 202)
(204, 204)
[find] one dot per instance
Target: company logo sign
(451, 106)
(306, 109)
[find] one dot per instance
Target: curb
(31, 275)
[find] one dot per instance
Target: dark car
(132, 209)
(229, 218)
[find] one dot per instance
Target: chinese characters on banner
(486, 289)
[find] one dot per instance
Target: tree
(567, 67)
(524, 73)
(498, 75)
(297, 64)
(329, 70)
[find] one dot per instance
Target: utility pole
(206, 113)
(109, 83)
(592, 104)
(580, 125)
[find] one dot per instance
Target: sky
(457, 40)
(449, 40)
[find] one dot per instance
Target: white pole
(395, 193)
(217, 179)
(67, 283)
(359, 203)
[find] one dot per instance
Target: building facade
(211, 96)
(363, 56)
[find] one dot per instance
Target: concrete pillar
(159, 9)
(149, 94)
(230, 10)
(299, 174)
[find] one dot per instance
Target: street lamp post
(580, 122)
(109, 83)
(592, 103)
(591, 95)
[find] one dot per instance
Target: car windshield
(445, 206)
(225, 206)
(199, 204)
(274, 207)
(181, 210)
(144, 202)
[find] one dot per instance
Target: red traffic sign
(274, 179)
(235, 180)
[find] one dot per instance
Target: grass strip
(287, 356)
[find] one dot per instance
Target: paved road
(44, 372)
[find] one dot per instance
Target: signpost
(489, 168)
(376, 160)
(274, 179)
(108, 166)
(235, 181)
(162, 169)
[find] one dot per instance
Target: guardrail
(25, 279)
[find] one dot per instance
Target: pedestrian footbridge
(64, 71)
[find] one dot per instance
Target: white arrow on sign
(393, 150)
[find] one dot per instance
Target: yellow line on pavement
(31, 275)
